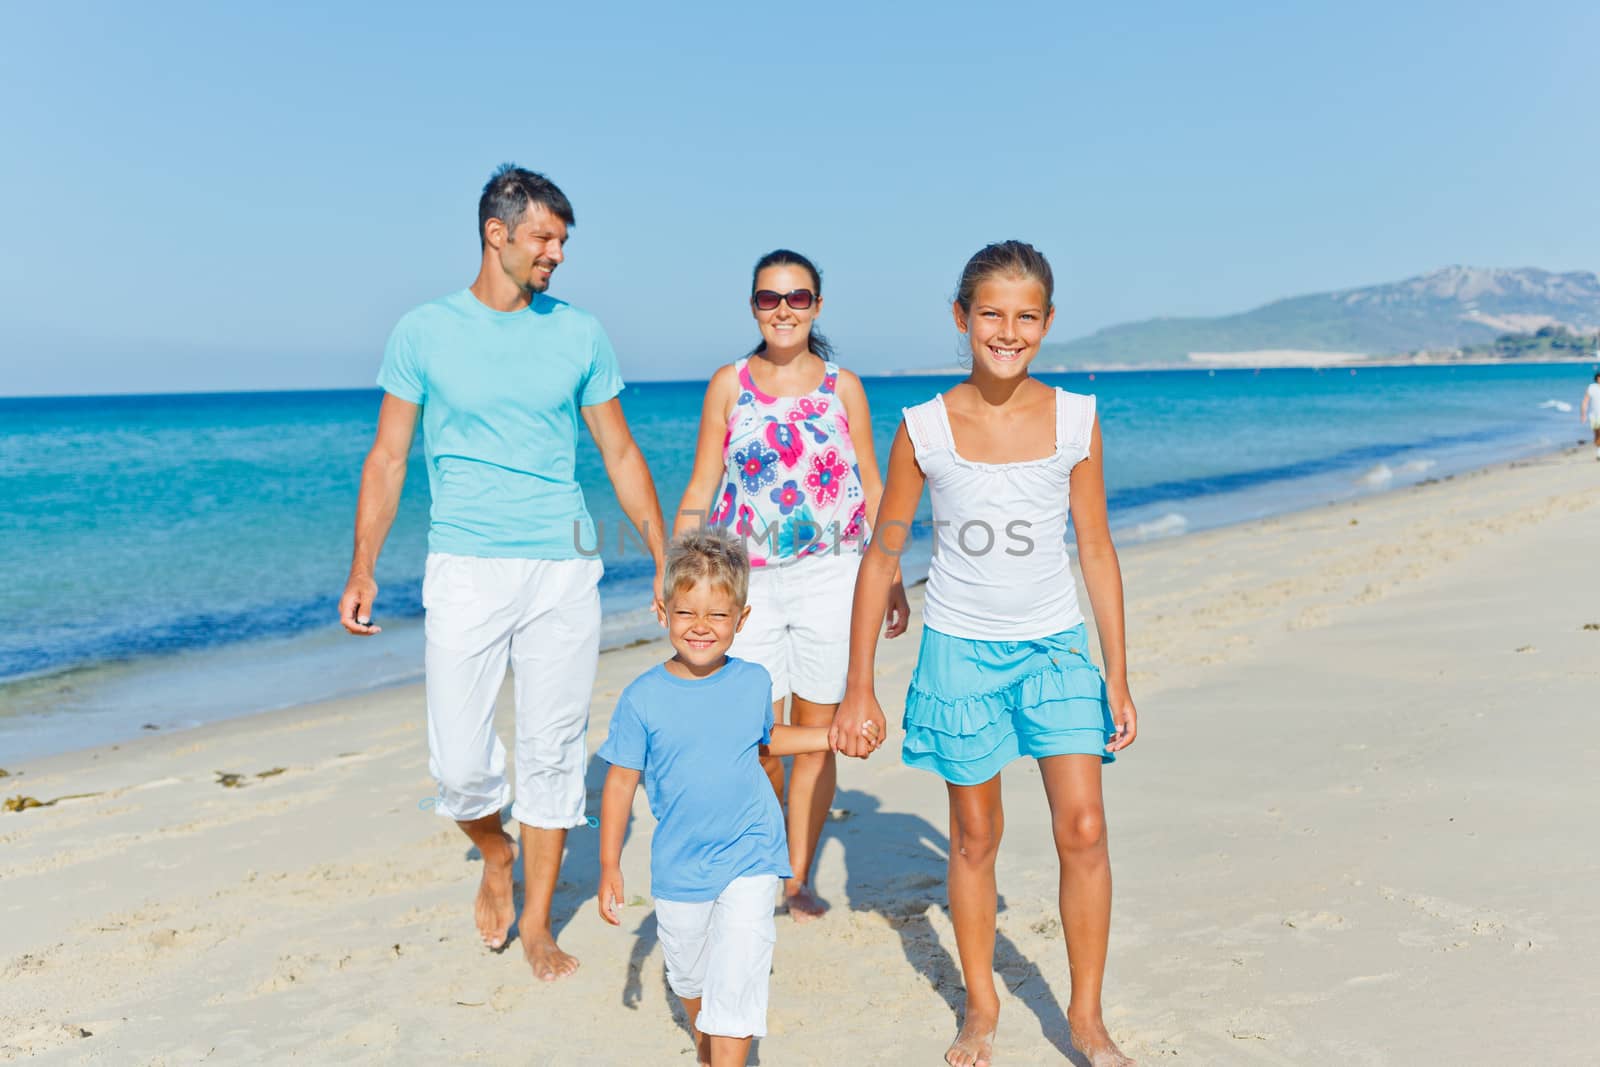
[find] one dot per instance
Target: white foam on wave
(1417, 466)
(1382, 474)
(1556, 405)
(1169, 525)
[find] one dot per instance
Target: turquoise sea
(169, 560)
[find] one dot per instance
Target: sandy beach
(1355, 830)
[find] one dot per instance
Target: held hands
(611, 895)
(858, 726)
(1124, 715)
(355, 606)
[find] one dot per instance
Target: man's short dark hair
(510, 191)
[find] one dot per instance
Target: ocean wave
(1169, 525)
(1556, 405)
(1382, 474)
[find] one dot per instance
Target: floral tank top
(791, 487)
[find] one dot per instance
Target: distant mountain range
(1440, 312)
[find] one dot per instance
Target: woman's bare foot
(494, 908)
(548, 961)
(974, 1045)
(802, 904)
(1092, 1039)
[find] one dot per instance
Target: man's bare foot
(494, 908)
(1092, 1039)
(548, 961)
(974, 1045)
(802, 904)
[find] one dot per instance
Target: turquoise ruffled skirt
(974, 706)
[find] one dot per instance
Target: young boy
(695, 728)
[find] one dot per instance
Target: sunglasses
(799, 299)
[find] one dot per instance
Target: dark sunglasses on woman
(799, 299)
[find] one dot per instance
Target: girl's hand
(611, 895)
(899, 614)
(1125, 715)
(658, 602)
(849, 733)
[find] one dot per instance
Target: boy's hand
(611, 895)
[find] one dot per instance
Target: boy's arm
(615, 804)
(791, 740)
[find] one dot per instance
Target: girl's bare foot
(974, 1045)
(1092, 1039)
(494, 909)
(547, 960)
(803, 905)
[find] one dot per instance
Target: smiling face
(701, 621)
(529, 254)
(1009, 319)
(784, 328)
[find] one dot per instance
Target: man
(500, 374)
(1590, 411)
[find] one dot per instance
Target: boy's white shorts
(721, 951)
(542, 617)
(799, 625)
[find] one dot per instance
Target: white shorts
(721, 951)
(799, 625)
(542, 617)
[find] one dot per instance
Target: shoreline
(1140, 525)
(1325, 698)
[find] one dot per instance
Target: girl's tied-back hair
(1005, 259)
(783, 257)
(707, 553)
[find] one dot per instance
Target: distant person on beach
(785, 459)
(694, 729)
(1590, 411)
(501, 374)
(1004, 670)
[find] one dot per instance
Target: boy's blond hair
(707, 553)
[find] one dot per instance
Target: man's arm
(382, 477)
(630, 480)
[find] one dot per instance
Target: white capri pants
(542, 617)
(799, 625)
(721, 951)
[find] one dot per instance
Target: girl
(785, 457)
(1003, 670)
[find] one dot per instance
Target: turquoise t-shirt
(500, 393)
(697, 741)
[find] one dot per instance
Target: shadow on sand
(895, 866)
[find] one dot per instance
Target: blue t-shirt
(696, 741)
(500, 393)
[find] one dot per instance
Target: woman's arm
(615, 804)
(854, 397)
(709, 461)
(1102, 577)
(878, 567)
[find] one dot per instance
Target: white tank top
(1000, 570)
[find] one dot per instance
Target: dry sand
(1356, 830)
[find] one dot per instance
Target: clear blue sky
(216, 196)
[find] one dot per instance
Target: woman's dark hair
(511, 190)
(1005, 259)
(782, 257)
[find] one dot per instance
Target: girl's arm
(854, 398)
(1102, 577)
(878, 566)
(709, 462)
(615, 804)
(791, 740)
